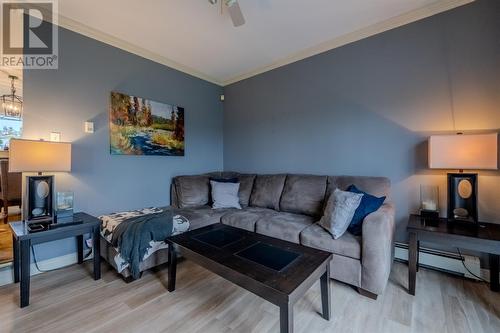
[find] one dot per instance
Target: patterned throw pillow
(339, 211)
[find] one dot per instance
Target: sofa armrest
(377, 248)
(174, 201)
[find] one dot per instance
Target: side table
(483, 238)
(23, 240)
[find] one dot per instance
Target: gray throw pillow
(225, 195)
(339, 211)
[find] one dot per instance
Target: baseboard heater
(442, 261)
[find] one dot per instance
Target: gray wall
(62, 100)
(366, 108)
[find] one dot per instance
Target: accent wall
(368, 107)
(62, 100)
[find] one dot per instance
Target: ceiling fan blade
(235, 13)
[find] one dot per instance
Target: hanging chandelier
(12, 104)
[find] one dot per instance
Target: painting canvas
(139, 126)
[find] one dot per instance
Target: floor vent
(443, 261)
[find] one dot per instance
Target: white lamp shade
(39, 156)
(472, 152)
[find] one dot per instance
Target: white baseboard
(446, 261)
(7, 274)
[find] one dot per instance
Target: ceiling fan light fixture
(235, 12)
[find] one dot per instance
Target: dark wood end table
(483, 238)
(229, 258)
(22, 241)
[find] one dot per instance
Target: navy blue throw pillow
(369, 204)
(224, 180)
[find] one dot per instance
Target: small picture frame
(64, 204)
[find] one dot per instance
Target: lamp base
(39, 195)
(462, 197)
(470, 226)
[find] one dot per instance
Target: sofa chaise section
(198, 217)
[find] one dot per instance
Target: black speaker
(462, 197)
(40, 198)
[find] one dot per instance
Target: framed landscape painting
(139, 126)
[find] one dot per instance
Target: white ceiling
(191, 35)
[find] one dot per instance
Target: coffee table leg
(25, 272)
(79, 246)
(325, 293)
(494, 263)
(418, 255)
(412, 263)
(15, 250)
(96, 249)
(286, 318)
(172, 267)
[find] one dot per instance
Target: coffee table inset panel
(269, 256)
(219, 238)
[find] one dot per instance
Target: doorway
(11, 124)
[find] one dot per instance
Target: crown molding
(394, 22)
(106, 38)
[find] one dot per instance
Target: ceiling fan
(234, 10)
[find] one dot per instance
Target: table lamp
(39, 156)
(461, 151)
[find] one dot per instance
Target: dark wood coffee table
(278, 271)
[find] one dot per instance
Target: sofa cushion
(285, 226)
(246, 218)
(192, 191)
(246, 185)
(377, 186)
(266, 192)
(303, 194)
(315, 236)
(202, 216)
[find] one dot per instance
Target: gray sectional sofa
(287, 206)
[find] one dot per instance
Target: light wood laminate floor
(68, 300)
